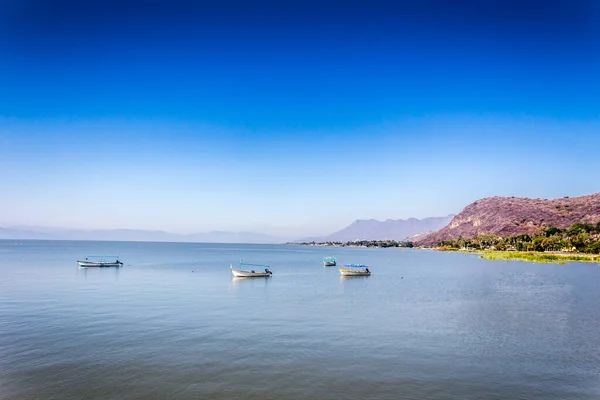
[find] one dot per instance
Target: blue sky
(291, 120)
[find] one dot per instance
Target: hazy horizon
(290, 119)
(181, 235)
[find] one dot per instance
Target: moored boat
(100, 261)
(355, 270)
(252, 273)
(329, 262)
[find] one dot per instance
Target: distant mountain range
(45, 233)
(513, 216)
(391, 229)
(358, 230)
(501, 216)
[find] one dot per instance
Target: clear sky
(291, 119)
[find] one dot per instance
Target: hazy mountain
(16, 233)
(393, 229)
(512, 216)
(48, 233)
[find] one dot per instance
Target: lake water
(174, 324)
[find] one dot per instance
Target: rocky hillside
(512, 216)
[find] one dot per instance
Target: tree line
(580, 237)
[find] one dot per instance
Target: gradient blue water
(173, 324)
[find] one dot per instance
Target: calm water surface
(174, 324)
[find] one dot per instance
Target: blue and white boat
(355, 270)
(329, 262)
(100, 261)
(243, 272)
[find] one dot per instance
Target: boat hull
(238, 273)
(348, 272)
(90, 264)
(329, 263)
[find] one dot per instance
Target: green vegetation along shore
(578, 243)
(534, 256)
(579, 238)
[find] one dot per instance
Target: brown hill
(512, 216)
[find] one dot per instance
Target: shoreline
(494, 255)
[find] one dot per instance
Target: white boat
(252, 273)
(355, 270)
(100, 261)
(329, 262)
